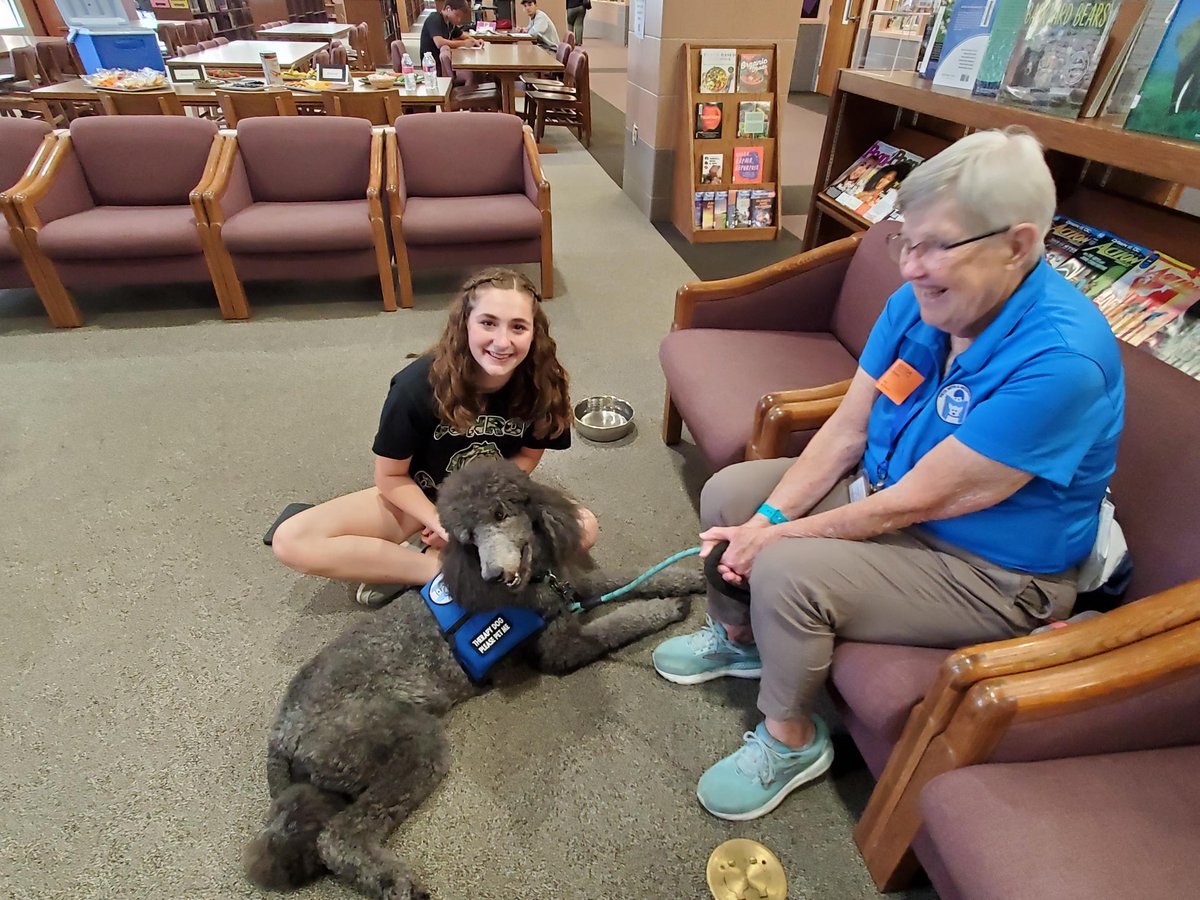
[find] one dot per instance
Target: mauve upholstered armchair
(907, 707)
(24, 144)
(91, 218)
(754, 363)
(487, 203)
(300, 197)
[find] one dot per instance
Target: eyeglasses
(931, 251)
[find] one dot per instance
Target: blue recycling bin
(135, 48)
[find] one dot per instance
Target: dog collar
(479, 640)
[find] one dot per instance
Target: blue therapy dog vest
(479, 640)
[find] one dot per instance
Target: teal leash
(586, 605)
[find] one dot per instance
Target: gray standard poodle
(357, 744)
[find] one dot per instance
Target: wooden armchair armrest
(196, 195)
(691, 296)
(780, 413)
(8, 197)
(38, 182)
(375, 182)
(392, 178)
(881, 834)
(218, 185)
(535, 169)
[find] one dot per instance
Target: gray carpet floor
(149, 633)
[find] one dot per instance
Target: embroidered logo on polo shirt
(953, 401)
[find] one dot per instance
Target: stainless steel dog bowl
(603, 418)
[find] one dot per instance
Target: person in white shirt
(541, 26)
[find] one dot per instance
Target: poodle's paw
(408, 890)
(669, 610)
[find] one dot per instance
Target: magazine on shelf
(1056, 53)
(709, 209)
(762, 208)
(754, 73)
(754, 117)
(709, 117)
(747, 165)
(1137, 62)
(965, 43)
(1149, 297)
(850, 183)
(721, 201)
(1103, 262)
(1178, 342)
(1168, 102)
(698, 209)
(1064, 240)
(1006, 22)
(879, 193)
(717, 70)
(933, 38)
(712, 168)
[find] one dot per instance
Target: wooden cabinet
(1120, 180)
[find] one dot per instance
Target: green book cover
(1008, 17)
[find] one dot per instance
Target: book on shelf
(1056, 53)
(1006, 22)
(712, 168)
(721, 202)
(747, 165)
(762, 208)
(754, 117)
(740, 204)
(847, 186)
(965, 43)
(1126, 24)
(708, 210)
(709, 117)
(1168, 102)
(754, 73)
(1148, 297)
(933, 38)
(717, 70)
(1138, 59)
(879, 193)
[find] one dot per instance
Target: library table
(244, 55)
(506, 62)
(78, 91)
(306, 31)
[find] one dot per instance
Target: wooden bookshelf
(1105, 176)
(690, 150)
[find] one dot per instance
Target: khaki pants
(901, 588)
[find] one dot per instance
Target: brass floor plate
(745, 870)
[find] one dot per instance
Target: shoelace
(709, 638)
(757, 755)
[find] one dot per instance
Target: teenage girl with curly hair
(491, 387)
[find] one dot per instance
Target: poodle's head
(506, 530)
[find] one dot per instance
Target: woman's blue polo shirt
(1041, 390)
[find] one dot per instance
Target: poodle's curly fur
(357, 743)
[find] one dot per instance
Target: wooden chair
(360, 43)
(59, 61)
(470, 95)
(187, 49)
(570, 109)
(238, 105)
(27, 69)
(397, 51)
(26, 108)
(209, 44)
(142, 103)
(378, 107)
(169, 34)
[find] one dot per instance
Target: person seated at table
(444, 29)
(540, 25)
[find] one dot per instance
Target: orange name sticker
(899, 381)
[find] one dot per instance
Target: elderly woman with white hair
(951, 497)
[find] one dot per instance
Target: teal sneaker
(704, 655)
(755, 779)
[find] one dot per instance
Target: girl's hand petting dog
(435, 539)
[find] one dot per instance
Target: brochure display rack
(726, 185)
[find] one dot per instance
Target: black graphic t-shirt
(409, 427)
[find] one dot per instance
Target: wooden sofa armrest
(196, 195)
(780, 413)
(690, 296)
(218, 185)
(38, 182)
(375, 181)
(535, 167)
(882, 833)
